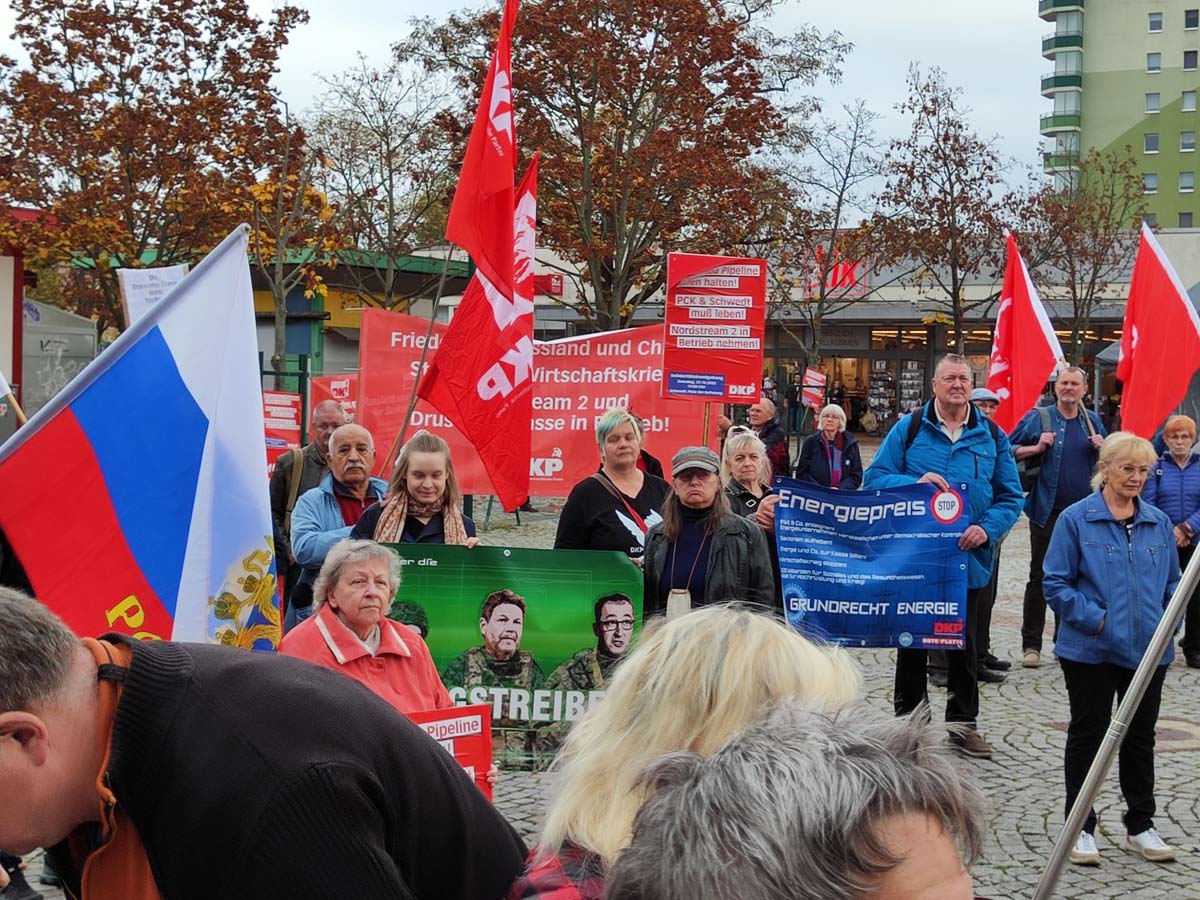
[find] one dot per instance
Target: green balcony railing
(1058, 121)
(1062, 160)
(1057, 80)
(1051, 7)
(1062, 40)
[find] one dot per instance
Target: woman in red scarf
(830, 457)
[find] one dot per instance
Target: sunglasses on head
(741, 429)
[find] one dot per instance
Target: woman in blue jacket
(1174, 487)
(1109, 572)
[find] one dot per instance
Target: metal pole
(704, 433)
(1159, 643)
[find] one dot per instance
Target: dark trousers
(983, 636)
(1033, 617)
(962, 699)
(1191, 619)
(1091, 689)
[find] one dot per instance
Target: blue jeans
(295, 615)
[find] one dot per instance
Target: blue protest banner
(874, 568)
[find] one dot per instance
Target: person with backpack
(1058, 446)
(950, 442)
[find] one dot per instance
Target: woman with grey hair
(350, 632)
(804, 806)
(830, 456)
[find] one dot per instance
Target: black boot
(18, 888)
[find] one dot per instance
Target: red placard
(575, 381)
(281, 423)
(549, 285)
(813, 392)
(466, 734)
(342, 388)
(715, 323)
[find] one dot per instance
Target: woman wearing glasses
(830, 457)
(1110, 569)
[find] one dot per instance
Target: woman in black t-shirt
(613, 509)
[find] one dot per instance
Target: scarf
(833, 452)
(400, 506)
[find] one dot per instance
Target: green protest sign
(521, 630)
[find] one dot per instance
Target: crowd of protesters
(731, 754)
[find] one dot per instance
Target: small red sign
(548, 285)
(281, 424)
(466, 734)
(813, 392)
(946, 506)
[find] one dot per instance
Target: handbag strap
(612, 489)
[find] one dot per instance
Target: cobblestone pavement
(1024, 719)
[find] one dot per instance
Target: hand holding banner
(874, 568)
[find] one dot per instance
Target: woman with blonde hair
(690, 684)
(423, 504)
(1110, 570)
(746, 468)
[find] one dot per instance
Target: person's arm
(1027, 432)
(1007, 497)
(761, 578)
(310, 543)
(1061, 577)
(1174, 574)
(573, 528)
(651, 605)
(887, 469)
(469, 526)
(778, 454)
(1150, 488)
(804, 463)
(852, 471)
(364, 528)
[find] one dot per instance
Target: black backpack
(1029, 468)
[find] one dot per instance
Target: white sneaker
(1149, 845)
(1085, 853)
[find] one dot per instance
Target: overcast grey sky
(990, 50)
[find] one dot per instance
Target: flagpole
(704, 434)
(1161, 640)
(398, 441)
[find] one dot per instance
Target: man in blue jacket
(327, 513)
(1067, 437)
(954, 444)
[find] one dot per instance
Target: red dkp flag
(481, 375)
(1160, 341)
(1025, 349)
(481, 216)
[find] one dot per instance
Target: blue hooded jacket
(981, 458)
(1176, 491)
(1096, 575)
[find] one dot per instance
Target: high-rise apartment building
(1126, 73)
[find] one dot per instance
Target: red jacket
(401, 672)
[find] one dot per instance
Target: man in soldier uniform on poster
(500, 662)
(590, 669)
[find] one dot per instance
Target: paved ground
(1025, 721)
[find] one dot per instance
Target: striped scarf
(400, 506)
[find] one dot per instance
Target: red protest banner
(575, 381)
(813, 392)
(466, 734)
(715, 324)
(281, 424)
(342, 388)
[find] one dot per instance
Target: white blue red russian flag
(136, 499)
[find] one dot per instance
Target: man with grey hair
(204, 771)
(803, 807)
(765, 421)
(1066, 438)
(328, 513)
(297, 472)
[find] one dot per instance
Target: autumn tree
(390, 167)
(1087, 235)
(295, 233)
(942, 208)
(649, 117)
(817, 238)
(126, 124)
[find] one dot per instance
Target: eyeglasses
(1144, 471)
(617, 625)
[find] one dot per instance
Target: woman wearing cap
(613, 509)
(701, 552)
(830, 457)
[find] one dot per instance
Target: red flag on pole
(481, 375)
(1025, 349)
(481, 216)
(1160, 341)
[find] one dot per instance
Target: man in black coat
(208, 771)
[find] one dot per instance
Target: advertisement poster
(281, 422)
(575, 381)
(523, 631)
(465, 732)
(715, 323)
(342, 388)
(874, 568)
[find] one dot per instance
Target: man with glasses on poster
(590, 669)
